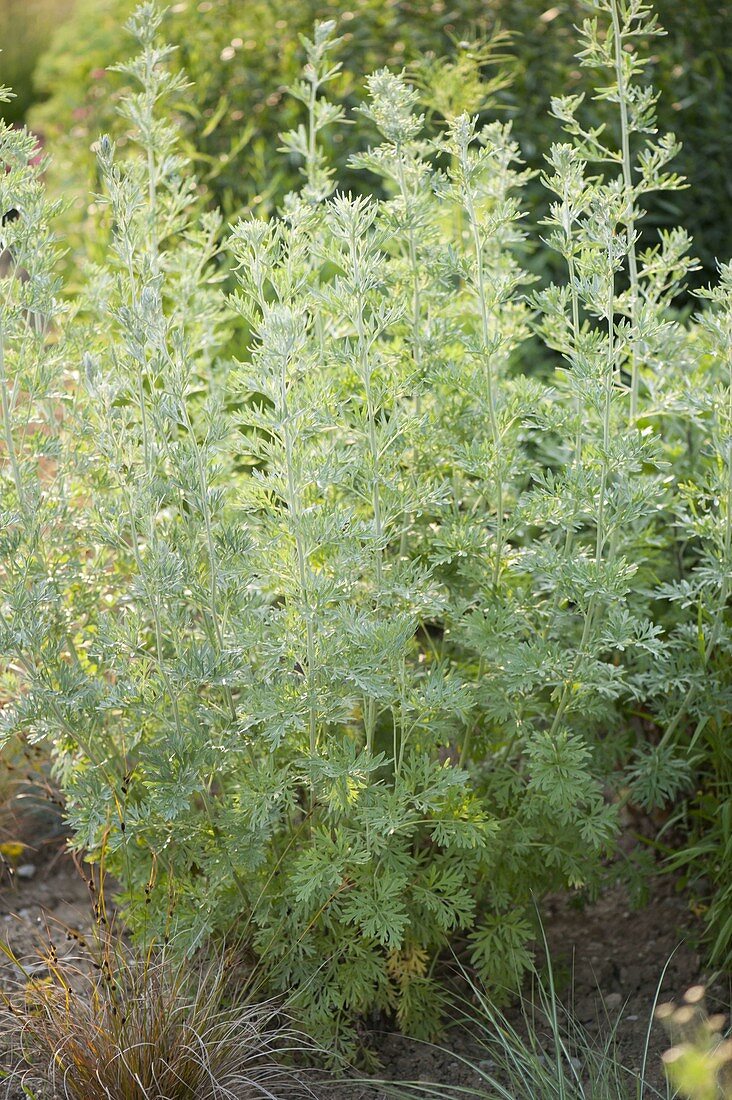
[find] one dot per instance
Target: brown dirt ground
(608, 959)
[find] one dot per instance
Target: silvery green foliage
(369, 612)
(614, 324)
(694, 675)
(355, 713)
(388, 428)
(43, 596)
(280, 667)
(663, 506)
(162, 654)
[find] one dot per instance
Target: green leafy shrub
(343, 645)
(240, 60)
(697, 661)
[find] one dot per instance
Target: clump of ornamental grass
(107, 1022)
(541, 1053)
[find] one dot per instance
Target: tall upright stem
(312, 133)
(293, 504)
(600, 535)
(416, 304)
(151, 165)
(7, 425)
(579, 431)
(628, 184)
(579, 435)
(364, 371)
(489, 377)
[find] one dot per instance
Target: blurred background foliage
(26, 29)
(240, 57)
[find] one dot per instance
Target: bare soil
(611, 963)
(608, 959)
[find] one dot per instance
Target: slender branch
(629, 191)
(489, 372)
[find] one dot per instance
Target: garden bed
(608, 959)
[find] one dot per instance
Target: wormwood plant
(549, 547)
(614, 325)
(375, 612)
(44, 594)
(391, 842)
(161, 661)
(686, 376)
(696, 709)
(276, 730)
(385, 334)
(669, 481)
(255, 646)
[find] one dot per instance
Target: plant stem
(312, 132)
(151, 165)
(600, 535)
(364, 371)
(293, 504)
(629, 189)
(579, 432)
(416, 306)
(7, 426)
(465, 750)
(489, 377)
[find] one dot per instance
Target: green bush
(240, 58)
(350, 647)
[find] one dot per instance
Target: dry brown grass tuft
(109, 1024)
